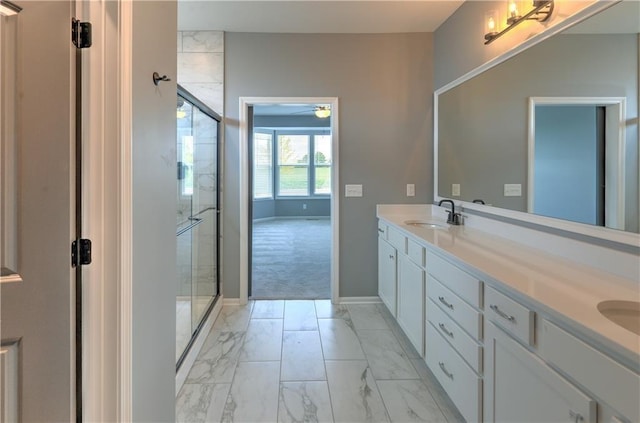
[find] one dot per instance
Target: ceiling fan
(321, 112)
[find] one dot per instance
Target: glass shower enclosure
(197, 225)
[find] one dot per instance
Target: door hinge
(81, 33)
(80, 252)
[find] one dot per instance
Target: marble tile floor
(310, 361)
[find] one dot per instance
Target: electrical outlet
(411, 190)
(512, 190)
(455, 190)
(304, 206)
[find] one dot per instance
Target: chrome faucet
(453, 218)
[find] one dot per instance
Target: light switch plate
(411, 190)
(353, 190)
(455, 190)
(512, 190)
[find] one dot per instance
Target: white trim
(579, 228)
(359, 300)
(190, 358)
(125, 311)
(245, 102)
(230, 302)
(615, 147)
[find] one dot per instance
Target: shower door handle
(195, 221)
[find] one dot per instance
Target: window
(302, 161)
(262, 165)
(322, 164)
(293, 165)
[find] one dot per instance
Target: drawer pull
(444, 329)
(381, 230)
(575, 417)
(443, 301)
(444, 370)
(502, 313)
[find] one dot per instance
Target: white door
(37, 313)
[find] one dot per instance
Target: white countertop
(559, 286)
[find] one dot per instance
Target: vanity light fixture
(541, 12)
(322, 112)
(9, 9)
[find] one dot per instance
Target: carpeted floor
(291, 259)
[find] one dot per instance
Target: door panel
(38, 311)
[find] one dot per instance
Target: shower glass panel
(197, 218)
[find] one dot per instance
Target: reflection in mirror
(502, 147)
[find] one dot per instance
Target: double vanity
(511, 332)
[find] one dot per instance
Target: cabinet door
(387, 274)
(411, 302)
(520, 387)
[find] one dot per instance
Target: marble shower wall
(201, 66)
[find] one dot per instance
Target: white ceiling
(315, 16)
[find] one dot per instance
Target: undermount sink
(426, 224)
(623, 313)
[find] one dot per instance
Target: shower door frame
(210, 113)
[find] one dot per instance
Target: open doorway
(290, 164)
(291, 198)
(587, 136)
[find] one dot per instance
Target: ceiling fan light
(322, 112)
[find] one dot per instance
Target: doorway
(289, 201)
(587, 135)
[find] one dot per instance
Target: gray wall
(566, 163)
(459, 42)
(495, 137)
(290, 121)
(154, 211)
(291, 208)
(383, 83)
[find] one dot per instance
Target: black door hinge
(80, 252)
(80, 33)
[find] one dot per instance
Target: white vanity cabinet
(502, 354)
(453, 333)
(387, 270)
(520, 387)
(411, 301)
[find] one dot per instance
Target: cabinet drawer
(465, 345)
(397, 239)
(617, 385)
(416, 252)
(465, 285)
(382, 229)
(460, 382)
(510, 315)
(462, 313)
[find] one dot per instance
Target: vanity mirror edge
(572, 229)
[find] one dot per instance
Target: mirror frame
(604, 233)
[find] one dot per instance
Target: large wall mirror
(553, 130)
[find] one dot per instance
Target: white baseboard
(359, 300)
(181, 374)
